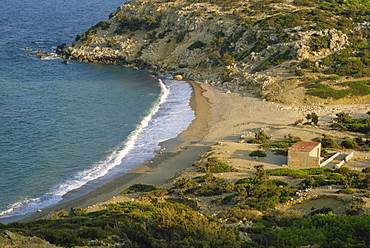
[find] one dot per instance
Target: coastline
(186, 149)
(220, 118)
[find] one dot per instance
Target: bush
(258, 153)
(261, 136)
(140, 187)
(186, 183)
(238, 213)
(343, 171)
(151, 22)
(214, 189)
(349, 144)
(345, 191)
(92, 233)
(308, 3)
(328, 142)
(213, 165)
(111, 43)
(283, 217)
(320, 42)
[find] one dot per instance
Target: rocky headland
(295, 52)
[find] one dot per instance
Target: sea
(64, 127)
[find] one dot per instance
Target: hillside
(295, 52)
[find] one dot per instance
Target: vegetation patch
(140, 188)
(345, 122)
(354, 88)
(214, 165)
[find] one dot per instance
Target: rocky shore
(240, 49)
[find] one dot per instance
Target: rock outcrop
(235, 45)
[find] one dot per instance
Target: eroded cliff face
(237, 47)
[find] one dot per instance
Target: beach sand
(220, 120)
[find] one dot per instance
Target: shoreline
(183, 151)
(220, 118)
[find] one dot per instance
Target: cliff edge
(295, 52)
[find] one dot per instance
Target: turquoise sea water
(64, 125)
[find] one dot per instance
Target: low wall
(326, 162)
(349, 156)
(337, 166)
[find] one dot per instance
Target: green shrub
(350, 144)
(283, 217)
(214, 189)
(151, 22)
(186, 183)
(111, 43)
(227, 59)
(343, 170)
(320, 42)
(92, 233)
(262, 136)
(328, 142)
(240, 212)
(213, 165)
(280, 144)
(345, 191)
(210, 178)
(140, 187)
(299, 72)
(298, 173)
(308, 3)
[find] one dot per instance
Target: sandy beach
(221, 118)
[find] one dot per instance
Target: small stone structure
(329, 160)
(304, 154)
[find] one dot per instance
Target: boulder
(178, 77)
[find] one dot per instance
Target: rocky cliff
(300, 51)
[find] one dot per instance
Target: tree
(350, 144)
(343, 118)
(261, 175)
(262, 136)
(313, 117)
(328, 142)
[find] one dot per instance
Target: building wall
(305, 159)
(298, 159)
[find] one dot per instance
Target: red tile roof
(303, 146)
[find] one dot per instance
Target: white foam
(143, 140)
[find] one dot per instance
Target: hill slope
(300, 51)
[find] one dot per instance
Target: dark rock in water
(65, 62)
(60, 48)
